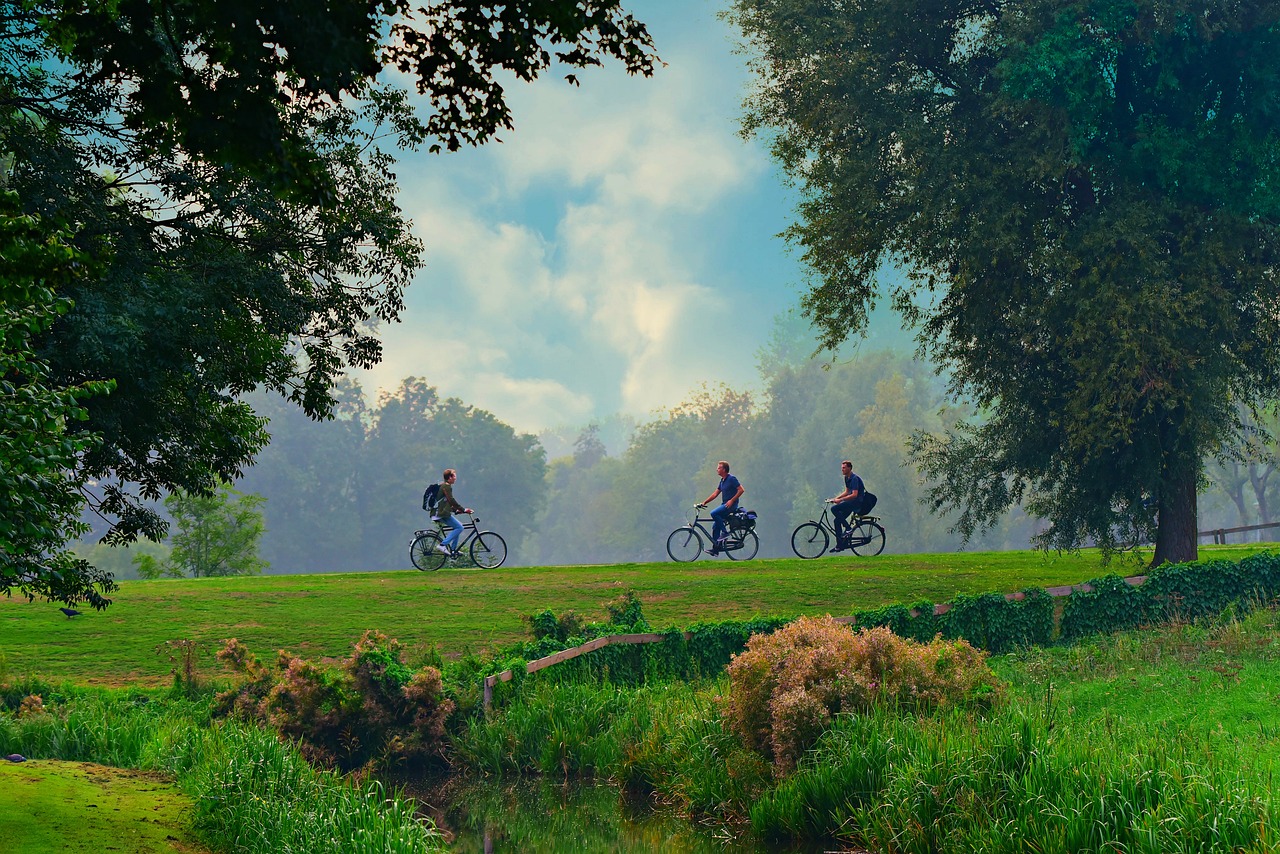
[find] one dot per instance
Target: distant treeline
(346, 494)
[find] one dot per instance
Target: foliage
(788, 687)
(228, 166)
(217, 80)
(1082, 198)
(251, 791)
(217, 535)
(1172, 592)
(370, 712)
(184, 657)
(998, 624)
(38, 444)
(915, 621)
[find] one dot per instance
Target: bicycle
(685, 543)
(810, 539)
(487, 549)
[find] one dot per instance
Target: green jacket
(447, 505)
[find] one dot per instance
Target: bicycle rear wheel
(488, 550)
(750, 545)
(424, 554)
(809, 540)
(867, 538)
(684, 544)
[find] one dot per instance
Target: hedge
(989, 621)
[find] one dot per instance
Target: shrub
(370, 711)
(787, 686)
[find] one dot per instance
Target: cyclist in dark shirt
(729, 490)
(846, 504)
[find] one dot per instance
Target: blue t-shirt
(854, 482)
(728, 488)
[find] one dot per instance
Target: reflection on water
(546, 817)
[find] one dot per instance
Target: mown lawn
(459, 610)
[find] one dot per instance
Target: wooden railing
(1220, 534)
(655, 637)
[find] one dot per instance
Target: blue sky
(615, 251)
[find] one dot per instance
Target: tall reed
(252, 793)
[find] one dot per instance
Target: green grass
(1162, 740)
(53, 807)
(456, 610)
(250, 792)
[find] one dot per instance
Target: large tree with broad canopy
(1083, 196)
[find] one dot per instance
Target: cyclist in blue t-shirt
(846, 504)
(729, 490)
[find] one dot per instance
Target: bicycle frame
(863, 531)
(470, 530)
(730, 541)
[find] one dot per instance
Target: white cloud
(566, 274)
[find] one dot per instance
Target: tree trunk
(1176, 540)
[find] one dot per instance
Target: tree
(225, 163)
(1084, 194)
(217, 535)
(217, 79)
(42, 502)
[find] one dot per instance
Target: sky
(618, 249)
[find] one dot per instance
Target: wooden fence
(655, 637)
(1220, 534)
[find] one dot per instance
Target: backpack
(431, 498)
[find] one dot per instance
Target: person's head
(722, 467)
(846, 467)
(450, 475)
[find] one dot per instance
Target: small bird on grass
(70, 612)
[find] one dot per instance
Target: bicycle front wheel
(424, 554)
(684, 545)
(750, 545)
(809, 540)
(867, 538)
(488, 550)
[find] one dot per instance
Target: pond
(584, 817)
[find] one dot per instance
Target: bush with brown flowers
(786, 687)
(371, 710)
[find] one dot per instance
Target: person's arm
(711, 497)
(734, 500)
(849, 492)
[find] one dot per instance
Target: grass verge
(455, 611)
(250, 792)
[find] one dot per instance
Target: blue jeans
(455, 531)
(841, 513)
(720, 516)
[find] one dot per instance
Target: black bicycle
(740, 543)
(811, 539)
(486, 548)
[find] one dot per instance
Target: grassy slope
(457, 610)
(50, 806)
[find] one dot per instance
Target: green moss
(69, 807)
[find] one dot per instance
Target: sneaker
(444, 550)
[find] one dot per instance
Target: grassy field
(457, 610)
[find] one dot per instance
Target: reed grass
(252, 792)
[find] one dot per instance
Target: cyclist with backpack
(729, 490)
(854, 500)
(442, 505)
